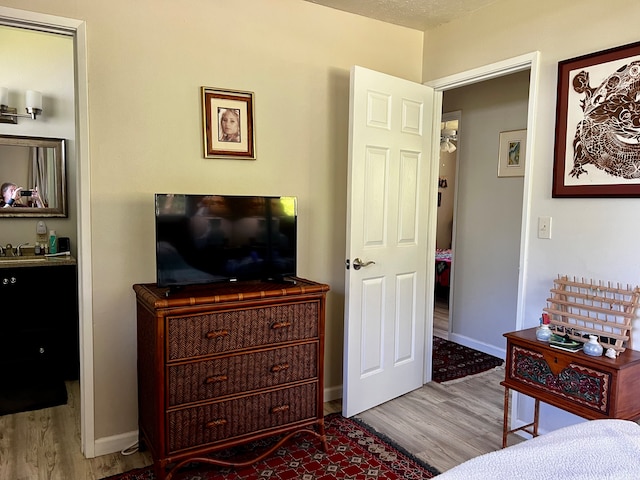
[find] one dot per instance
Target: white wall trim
(77, 29)
(486, 72)
(85, 274)
(333, 393)
(481, 346)
(115, 443)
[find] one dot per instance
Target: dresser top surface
(224, 292)
(528, 336)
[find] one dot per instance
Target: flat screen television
(204, 239)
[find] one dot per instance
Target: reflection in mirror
(34, 163)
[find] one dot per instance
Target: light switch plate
(544, 227)
(41, 228)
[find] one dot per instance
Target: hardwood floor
(45, 445)
(443, 425)
(441, 318)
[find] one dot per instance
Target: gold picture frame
(228, 124)
(511, 160)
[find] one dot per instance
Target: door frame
(77, 29)
(530, 61)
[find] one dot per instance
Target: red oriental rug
(356, 451)
(452, 361)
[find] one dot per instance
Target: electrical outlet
(544, 227)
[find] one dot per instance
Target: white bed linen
(593, 450)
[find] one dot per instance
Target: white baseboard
(332, 393)
(115, 443)
(483, 347)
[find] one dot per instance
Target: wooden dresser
(224, 364)
(591, 387)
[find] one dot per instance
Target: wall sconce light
(33, 105)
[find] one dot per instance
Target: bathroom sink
(32, 260)
(26, 259)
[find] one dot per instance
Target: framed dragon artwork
(597, 144)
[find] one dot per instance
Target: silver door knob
(358, 264)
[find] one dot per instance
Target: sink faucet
(2, 252)
(19, 248)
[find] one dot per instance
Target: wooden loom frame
(579, 309)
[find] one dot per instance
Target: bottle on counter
(53, 242)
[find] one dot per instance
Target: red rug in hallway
(356, 451)
(452, 361)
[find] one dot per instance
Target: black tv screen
(221, 238)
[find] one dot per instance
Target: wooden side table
(591, 387)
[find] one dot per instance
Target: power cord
(130, 450)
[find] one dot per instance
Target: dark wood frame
(565, 103)
(213, 100)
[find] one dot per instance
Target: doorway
(518, 64)
(76, 29)
(487, 233)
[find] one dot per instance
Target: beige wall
(591, 237)
(146, 63)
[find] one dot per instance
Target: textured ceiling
(417, 14)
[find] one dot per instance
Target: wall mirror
(34, 162)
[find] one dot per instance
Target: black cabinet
(39, 331)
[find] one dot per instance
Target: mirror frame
(58, 144)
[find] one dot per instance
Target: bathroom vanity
(39, 319)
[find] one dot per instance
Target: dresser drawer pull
(217, 334)
(216, 423)
(279, 367)
(282, 324)
(280, 409)
(216, 379)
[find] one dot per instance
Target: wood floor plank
(442, 424)
(446, 424)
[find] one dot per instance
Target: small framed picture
(512, 153)
(227, 120)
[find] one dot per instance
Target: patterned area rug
(452, 361)
(356, 451)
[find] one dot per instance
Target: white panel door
(390, 122)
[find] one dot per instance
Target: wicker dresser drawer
(566, 378)
(207, 424)
(221, 365)
(207, 379)
(212, 333)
